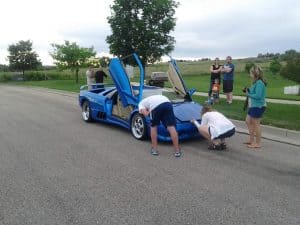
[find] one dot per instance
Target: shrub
(291, 70)
(275, 66)
(248, 66)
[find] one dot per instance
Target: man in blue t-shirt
(228, 75)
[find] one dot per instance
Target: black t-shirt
(216, 75)
(99, 75)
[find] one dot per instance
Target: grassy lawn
(66, 85)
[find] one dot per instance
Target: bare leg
(222, 140)
(257, 129)
(255, 126)
(174, 137)
(250, 129)
(227, 96)
(230, 96)
(154, 137)
(203, 130)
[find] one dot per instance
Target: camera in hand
(245, 89)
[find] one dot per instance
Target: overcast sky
(205, 28)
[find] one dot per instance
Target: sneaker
(177, 154)
(154, 152)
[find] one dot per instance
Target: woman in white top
(215, 127)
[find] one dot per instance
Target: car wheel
(86, 112)
(139, 127)
(151, 82)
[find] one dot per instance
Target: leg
(230, 97)
(250, 129)
(210, 88)
(256, 132)
(203, 130)
(257, 129)
(174, 137)
(154, 137)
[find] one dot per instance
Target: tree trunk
(76, 75)
(23, 73)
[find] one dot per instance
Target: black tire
(151, 82)
(86, 112)
(138, 127)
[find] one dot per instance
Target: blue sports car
(118, 103)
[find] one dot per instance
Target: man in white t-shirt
(90, 77)
(215, 127)
(160, 109)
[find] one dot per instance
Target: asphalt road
(57, 169)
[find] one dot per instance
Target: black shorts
(163, 113)
(227, 86)
(225, 135)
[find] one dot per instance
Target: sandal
(253, 146)
(214, 147)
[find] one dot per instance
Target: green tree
(104, 61)
(142, 26)
(291, 70)
(22, 57)
(275, 66)
(71, 56)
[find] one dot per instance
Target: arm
(215, 71)
(204, 120)
(144, 111)
(257, 91)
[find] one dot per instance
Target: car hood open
(187, 111)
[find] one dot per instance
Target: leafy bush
(47, 75)
(291, 70)
(248, 66)
(5, 77)
(275, 66)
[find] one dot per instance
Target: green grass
(275, 85)
(67, 85)
(197, 75)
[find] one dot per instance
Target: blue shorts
(256, 112)
(163, 113)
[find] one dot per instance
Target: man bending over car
(160, 109)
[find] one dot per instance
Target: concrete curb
(242, 98)
(272, 133)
